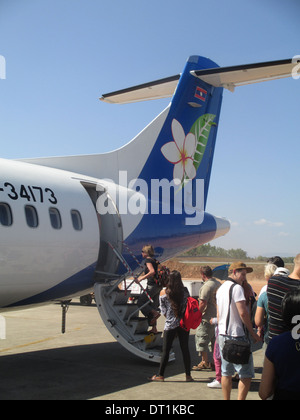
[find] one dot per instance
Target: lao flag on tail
(200, 94)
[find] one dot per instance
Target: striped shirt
(278, 287)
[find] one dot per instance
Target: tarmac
(38, 362)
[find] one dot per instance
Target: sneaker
(215, 384)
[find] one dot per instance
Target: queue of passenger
(233, 318)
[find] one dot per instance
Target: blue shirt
(263, 303)
(284, 352)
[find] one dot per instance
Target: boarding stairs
(116, 299)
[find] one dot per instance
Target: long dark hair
(175, 291)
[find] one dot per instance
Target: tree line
(208, 250)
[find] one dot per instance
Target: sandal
(153, 331)
(156, 378)
(201, 366)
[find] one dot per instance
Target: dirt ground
(189, 268)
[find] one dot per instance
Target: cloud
(283, 234)
(265, 222)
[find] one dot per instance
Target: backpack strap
(228, 315)
(186, 295)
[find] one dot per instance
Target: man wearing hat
(239, 328)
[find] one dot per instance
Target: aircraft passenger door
(110, 231)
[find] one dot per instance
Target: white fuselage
(35, 254)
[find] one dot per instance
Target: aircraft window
(31, 216)
(76, 220)
(55, 218)
(5, 215)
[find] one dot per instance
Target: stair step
(118, 297)
(126, 310)
(138, 325)
(151, 340)
(115, 310)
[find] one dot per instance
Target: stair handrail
(129, 272)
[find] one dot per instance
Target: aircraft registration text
(34, 193)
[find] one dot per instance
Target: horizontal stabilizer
(226, 77)
(163, 88)
(230, 77)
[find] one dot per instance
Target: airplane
(74, 224)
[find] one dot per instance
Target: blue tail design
(195, 109)
(183, 153)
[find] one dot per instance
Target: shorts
(229, 369)
(205, 335)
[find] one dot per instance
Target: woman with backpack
(153, 289)
(172, 303)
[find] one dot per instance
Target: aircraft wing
(226, 77)
(230, 77)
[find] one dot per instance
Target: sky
(61, 55)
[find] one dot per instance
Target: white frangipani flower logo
(181, 152)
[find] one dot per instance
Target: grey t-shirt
(208, 293)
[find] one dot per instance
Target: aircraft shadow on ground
(82, 372)
(78, 372)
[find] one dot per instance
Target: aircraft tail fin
(184, 148)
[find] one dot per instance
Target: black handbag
(235, 351)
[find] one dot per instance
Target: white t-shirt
(264, 289)
(235, 328)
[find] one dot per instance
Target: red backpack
(192, 316)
